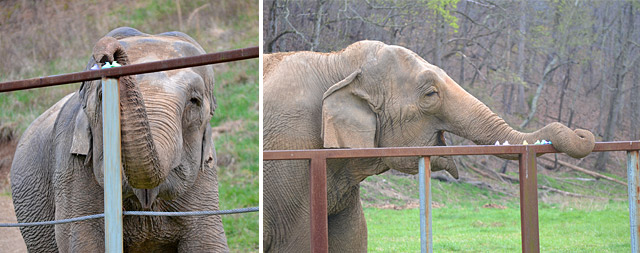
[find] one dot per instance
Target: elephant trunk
(482, 126)
(140, 160)
(142, 166)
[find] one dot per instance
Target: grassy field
(238, 146)
(478, 229)
(469, 218)
(216, 25)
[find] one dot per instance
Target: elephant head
(165, 131)
(394, 98)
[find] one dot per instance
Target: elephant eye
(195, 101)
(431, 91)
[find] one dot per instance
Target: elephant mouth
(407, 165)
(146, 197)
(176, 183)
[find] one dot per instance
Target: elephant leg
(32, 193)
(78, 194)
(348, 230)
(83, 236)
(286, 206)
(205, 234)
(208, 237)
(34, 202)
(87, 236)
(292, 236)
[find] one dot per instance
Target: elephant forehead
(413, 61)
(162, 47)
(178, 81)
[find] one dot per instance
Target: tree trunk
(522, 106)
(534, 103)
(616, 103)
(315, 39)
(563, 91)
(440, 37)
(507, 96)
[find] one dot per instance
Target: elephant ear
(81, 135)
(347, 118)
(208, 150)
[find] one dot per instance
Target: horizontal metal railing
(307, 154)
(528, 182)
(133, 69)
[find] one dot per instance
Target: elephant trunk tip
(108, 49)
(145, 175)
(588, 142)
(575, 143)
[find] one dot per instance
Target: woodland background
(532, 62)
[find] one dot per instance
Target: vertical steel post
(318, 203)
(633, 178)
(426, 237)
(529, 202)
(112, 165)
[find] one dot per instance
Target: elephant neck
(343, 180)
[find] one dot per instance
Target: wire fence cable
(132, 213)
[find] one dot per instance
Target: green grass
(462, 224)
(5, 193)
(449, 194)
(471, 228)
(20, 108)
(239, 180)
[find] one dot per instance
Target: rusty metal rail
(133, 69)
(528, 181)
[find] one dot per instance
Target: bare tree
(621, 66)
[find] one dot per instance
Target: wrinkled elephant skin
(367, 95)
(168, 157)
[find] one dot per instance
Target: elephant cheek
(407, 165)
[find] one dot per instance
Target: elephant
(167, 150)
(367, 95)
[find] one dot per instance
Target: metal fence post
(112, 165)
(529, 202)
(318, 203)
(633, 178)
(426, 237)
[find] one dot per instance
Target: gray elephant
(367, 95)
(168, 157)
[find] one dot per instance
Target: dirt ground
(7, 148)
(10, 238)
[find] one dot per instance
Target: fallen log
(585, 171)
(549, 188)
(476, 167)
(485, 174)
(566, 193)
